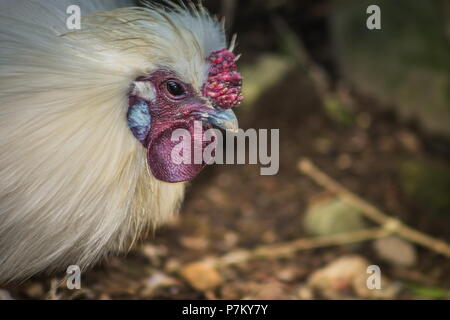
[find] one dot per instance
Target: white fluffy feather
(73, 179)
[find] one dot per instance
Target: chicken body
(75, 183)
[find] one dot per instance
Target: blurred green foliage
(338, 111)
(332, 216)
(406, 63)
(429, 183)
(429, 292)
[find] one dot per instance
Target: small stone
(305, 293)
(287, 274)
(154, 253)
(364, 120)
(396, 251)
(331, 215)
(155, 281)
(269, 290)
(217, 196)
(409, 141)
(172, 265)
(5, 295)
(104, 296)
(386, 144)
(347, 277)
(323, 145)
(344, 161)
(231, 239)
(269, 236)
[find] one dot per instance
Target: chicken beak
(222, 118)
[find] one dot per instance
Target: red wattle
(159, 154)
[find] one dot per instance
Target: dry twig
(288, 248)
(386, 221)
(281, 250)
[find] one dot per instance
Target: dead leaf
(195, 243)
(202, 275)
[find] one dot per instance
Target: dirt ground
(229, 207)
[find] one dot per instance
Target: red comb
(223, 86)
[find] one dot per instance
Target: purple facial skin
(176, 105)
(168, 112)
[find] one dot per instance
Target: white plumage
(74, 184)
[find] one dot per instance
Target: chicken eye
(175, 89)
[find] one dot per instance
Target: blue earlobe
(139, 120)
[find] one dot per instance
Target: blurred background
(370, 108)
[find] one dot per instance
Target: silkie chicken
(86, 118)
